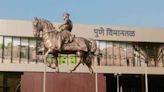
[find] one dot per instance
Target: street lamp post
(118, 84)
(118, 81)
(146, 75)
(146, 78)
(44, 72)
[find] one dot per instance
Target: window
(39, 51)
(116, 54)
(24, 50)
(131, 55)
(16, 50)
(103, 53)
(9, 81)
(109, 53)
(7, 49)
(163, 54)
(98, 53)
(143, 50)
(32, 50)
(1, 47)
(123, 54)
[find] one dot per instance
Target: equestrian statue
(64, 42)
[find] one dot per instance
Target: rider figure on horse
(66, 28)
(67, 24)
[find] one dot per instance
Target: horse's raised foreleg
(48, 51)
(45, 56)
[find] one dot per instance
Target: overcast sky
(146, 13)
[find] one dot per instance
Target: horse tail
(93, 46)
(87, 59)
(89, 56)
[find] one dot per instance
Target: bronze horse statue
(54, 43)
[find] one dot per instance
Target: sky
(145, 13)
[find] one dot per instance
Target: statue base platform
(62, 82)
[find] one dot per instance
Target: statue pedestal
(62, 82)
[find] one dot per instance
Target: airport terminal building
(128, 59)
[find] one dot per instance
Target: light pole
(96, 76)
(146, 76)
(118, 84)
(118, 81)
(44, 72)
(96, 81)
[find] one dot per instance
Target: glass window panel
(98, 53)
(153, 51)
(109, 53)
(24, 50)
(103, 53)
(163, 56)
(158, 61)
(7, 49)
(137, 55)
(1, 47)
(16, 50)
(123, 54)
(152, 62)
(159, 56)
(131, 55)
(32, 50)
(39, 50)
(143, 49)
(162, 52)
(116, 53)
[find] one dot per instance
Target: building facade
(128, 59)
